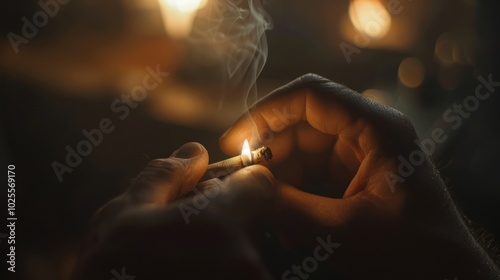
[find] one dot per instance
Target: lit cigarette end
(231, 165)
(261, 155)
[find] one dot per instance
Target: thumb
(242, 196)
(166, 179)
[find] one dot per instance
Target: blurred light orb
(411, 72)
(459, 55)
(370, 17)
(444, 50)
(178, 15)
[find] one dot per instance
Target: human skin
(333, 151)
(142, 234)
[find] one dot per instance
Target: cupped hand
(352, 170)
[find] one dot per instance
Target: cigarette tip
(267, 154)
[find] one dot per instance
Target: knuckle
(314, 82)
(312, 77)
(165, 166)
(160, 169)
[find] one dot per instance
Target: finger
(301, 213)
(208, 185)
(328, 107)
(234, 201)
(165, 180)
(245, 194)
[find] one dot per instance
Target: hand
(337, 160)
(151, 233)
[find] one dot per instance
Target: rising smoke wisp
(234, 32)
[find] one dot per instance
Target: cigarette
(230, 165)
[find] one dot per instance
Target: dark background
(64, 80)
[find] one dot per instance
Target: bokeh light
(178, 15)
(370, 17)
(411, 72)
(444, 50)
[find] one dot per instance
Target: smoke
(234, 33)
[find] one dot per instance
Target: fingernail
(188, 150)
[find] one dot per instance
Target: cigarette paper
(228, 166)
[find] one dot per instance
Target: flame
(245, 151)
(246, 154)
(178, 15)
(370, 17)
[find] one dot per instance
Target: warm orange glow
(411, 72)
(444, 49)
(178, 15)
(185, 5)
(370, 17)
(246, 153)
